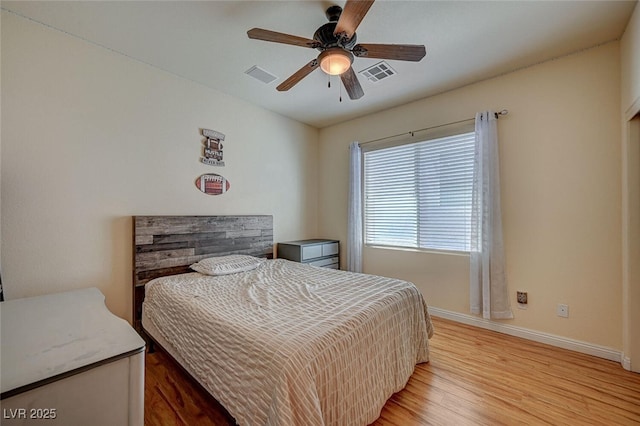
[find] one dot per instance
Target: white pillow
(224, 265)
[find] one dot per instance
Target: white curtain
(354, 221)
(489, 293)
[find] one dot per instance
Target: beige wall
(560, 171)
(90, 137)
(630, 107)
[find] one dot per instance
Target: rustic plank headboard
(167, 245)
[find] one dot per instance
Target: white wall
(90, 138)
(561, 196)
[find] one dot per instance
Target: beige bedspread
(290, 344)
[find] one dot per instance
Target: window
(418, 195)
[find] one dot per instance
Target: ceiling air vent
(260, 74)
(378, 72)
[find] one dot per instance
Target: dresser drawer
(311, 252)
(328, 262)
(329, 249)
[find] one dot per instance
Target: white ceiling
(206, 41)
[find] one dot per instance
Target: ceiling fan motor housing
(324, 35)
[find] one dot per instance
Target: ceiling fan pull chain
(340, 92)
(329, 81)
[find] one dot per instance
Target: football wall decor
(212, 184)
(212, 148)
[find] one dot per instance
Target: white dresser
(67, 360)
(316, 252)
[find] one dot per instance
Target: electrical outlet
(563, 310)
(522, 297)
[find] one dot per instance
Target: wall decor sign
(212, 184)
(212, 149)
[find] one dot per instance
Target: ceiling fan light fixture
(335, 61)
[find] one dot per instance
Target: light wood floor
(474, 377)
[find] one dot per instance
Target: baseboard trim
(626, 362)
(537, 336)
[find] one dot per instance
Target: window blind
(418, 195)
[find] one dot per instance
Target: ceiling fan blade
(399, 52)
(276, 37)
(352, 15)
(351, 83)
(297, 76)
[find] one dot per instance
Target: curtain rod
(497, 114)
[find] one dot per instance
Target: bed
(281, 343)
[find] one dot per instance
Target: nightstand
(67, 360)
(316, 252)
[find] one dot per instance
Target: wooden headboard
(167, 245)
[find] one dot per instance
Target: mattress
(293, 344)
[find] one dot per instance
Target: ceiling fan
(336, 42)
